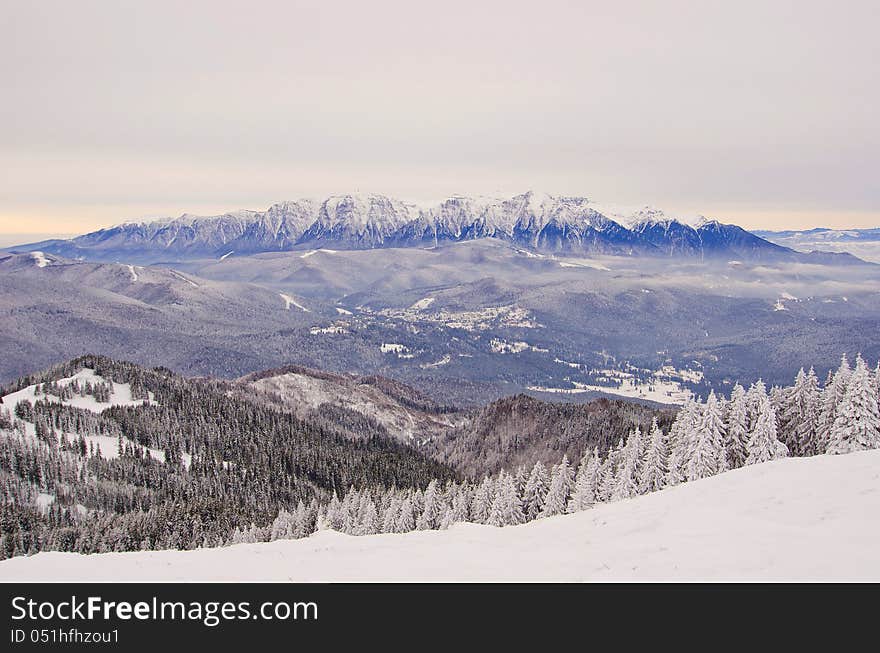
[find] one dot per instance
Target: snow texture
(792, 519)
(40, 259)
(120, 396)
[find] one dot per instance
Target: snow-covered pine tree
(763, 444)
(640, 449)
(350, 505)
(561, 481)
(447, 495)
(681, 436)
(584, 494)
(755, 398)
(455, 505)
(737, 427)
(417, 497)
(832, 396)
(535, 491)
(778, 396)
(461, 502)
(654, 464)
(282, 526)
(389, 519)
(368, 517)
(406, 518)
(607, 480)
(800, 420)
(520, 478)
(432, 509)
(446, 520)
(708, 455)
(506, 507)
(857, 425)
(626, 483)
(335, 517)
(303, 519)
(877, 381)
(482, 501)
(384, 503)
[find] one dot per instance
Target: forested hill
(521, 430)
(180, 463)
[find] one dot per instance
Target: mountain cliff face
(573, 225)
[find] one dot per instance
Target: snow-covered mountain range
(530, 220)
(863, 243)
(824, 235)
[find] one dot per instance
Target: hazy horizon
(762, 114)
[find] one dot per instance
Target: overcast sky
(761, 113)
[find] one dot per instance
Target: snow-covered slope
(405, 414)
(120, 394)
(792, 519)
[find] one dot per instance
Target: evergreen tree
(832, 397)
(432, 508)
(349, 511)
(708, 455)
(368, 517)
(877, 381)
(460, 509)
(857, 425)
(520, 479)
(335, 515)
(627, 481)
(778, 397)
(506, 507)
(763, 445)
(561, 481)
(681, 436)
(800, 415)
(391, 515)
(282, 527)
(607, 481)
(737, 427)
(448, 519)
(482, 501)
(755, 398)
(584, 494)
(654, 464)
(535, 491)
(406, 518)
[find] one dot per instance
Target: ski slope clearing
(120, 395)
(797, 519)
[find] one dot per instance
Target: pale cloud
(758, 112)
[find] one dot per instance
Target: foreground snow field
(791, 519)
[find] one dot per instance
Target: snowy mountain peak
(649, 216)
(359, 212)
(708, 223)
